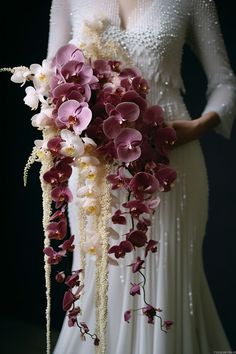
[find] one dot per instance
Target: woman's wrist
(207, 122)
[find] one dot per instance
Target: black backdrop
(22, 275)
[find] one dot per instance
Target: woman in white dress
(153, 33)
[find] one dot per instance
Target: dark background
(22, 273)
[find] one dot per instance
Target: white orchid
(21, 75)
(72, 145)
(42, 75)
(32, 98)
(90, 191)
(42, 119)
(41, 147)
(90, 205)
(93, 246)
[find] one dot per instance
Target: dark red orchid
(137, 238)
(127, 315)
(137, 265)
(68, 244)
(61, 195)
(53, 256)
(118, 218)
(151, 246)
(127, 144)
(121, 249)
(150, 312)
(135, 289)
(57, 230)
(143, 184)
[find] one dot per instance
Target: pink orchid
(75, 115)
(67, 53)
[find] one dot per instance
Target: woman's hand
(188, 130)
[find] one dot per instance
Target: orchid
(75, 115)
(41, 76)
(72, 145)
(20, 75)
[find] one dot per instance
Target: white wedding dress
(176, 282)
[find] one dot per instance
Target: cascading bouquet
(95, 119)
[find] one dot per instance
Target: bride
(152, 33)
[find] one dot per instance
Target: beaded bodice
(154, 38)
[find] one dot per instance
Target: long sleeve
(206, 40)
(60, 26)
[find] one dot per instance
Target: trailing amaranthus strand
(47, 163)
(102, 286)
(32, 158)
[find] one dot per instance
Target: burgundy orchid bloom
(135, 289)
(68, 244)
(133, 96)
(53, 256)
(72, 316)
(102, 68)
(118, 218)
(68, 300)
(150, 312)
(60, 277)
(57, 230)
(140, 85)
(75, 115)
(84, 326)
(136, 208)
(144, 183)
(73, 280)
(61, 195)
(115, 65)
(67, 53)
(137, 265)
(166, 177)
(59, 214)
(127, 315)
(124, 112)
(151, 246)
(121, 249)
(59, 173)
(119, 179)
(54, 145)
(164, 138)
(130, 72)
(168, 324)
(127, 145)
(154, 116)
(137, 238)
